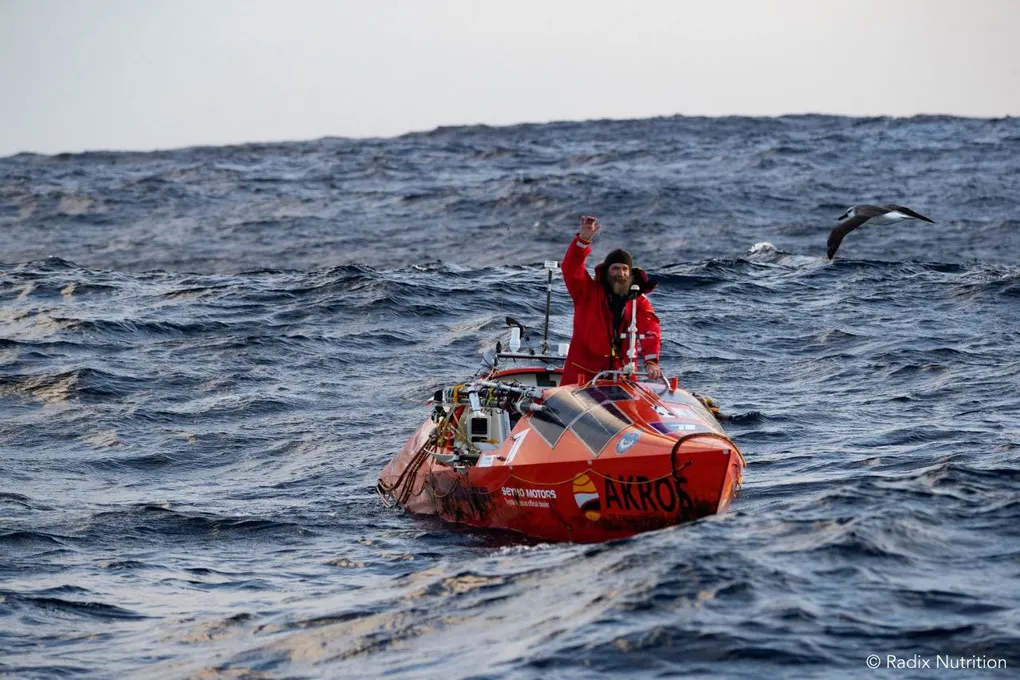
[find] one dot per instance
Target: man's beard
(620, 287)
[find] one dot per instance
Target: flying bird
(858, 215)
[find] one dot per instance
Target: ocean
(208, 354)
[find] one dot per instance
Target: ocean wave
(208, 354)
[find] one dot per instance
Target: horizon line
(466, 126)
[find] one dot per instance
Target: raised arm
(575, 274)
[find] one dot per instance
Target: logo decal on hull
(639, 493)
(628, 440)
(532, 498)
(587, 497)
(674, 427)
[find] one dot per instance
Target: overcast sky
(150, 74)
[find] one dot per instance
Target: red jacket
(591, 347)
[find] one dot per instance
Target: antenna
(550, 266)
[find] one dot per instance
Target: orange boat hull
(629, 461)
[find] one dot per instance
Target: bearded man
(602, 311)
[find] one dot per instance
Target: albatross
(858, 215)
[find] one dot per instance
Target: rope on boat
(402, 489)
(713, 435)
(398, 492)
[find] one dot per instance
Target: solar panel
(599, 425)
(590, 413)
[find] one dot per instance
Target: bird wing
(841, 230)
(867, 210)
(908, 212)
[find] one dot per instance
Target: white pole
(632, 350)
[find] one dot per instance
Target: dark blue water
(207, 355)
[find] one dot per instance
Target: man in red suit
(602, 311)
